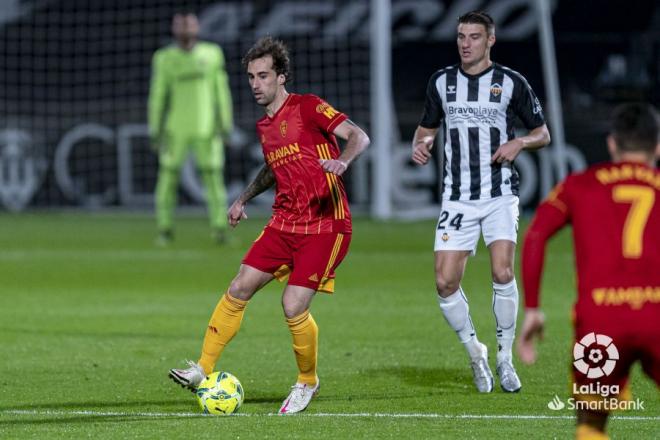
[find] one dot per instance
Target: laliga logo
(593, 366)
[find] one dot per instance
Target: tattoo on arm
(264, 180)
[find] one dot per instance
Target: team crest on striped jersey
(283, 126)
(496, 89)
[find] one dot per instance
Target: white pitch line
(357, 415)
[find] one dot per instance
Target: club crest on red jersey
(283, 126)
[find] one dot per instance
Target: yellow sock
(223, 326)
(305, 335)
(588, 432)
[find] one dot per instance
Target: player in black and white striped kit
(476, 102)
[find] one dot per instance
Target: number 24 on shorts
(455, 222)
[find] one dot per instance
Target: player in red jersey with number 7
(309, 232)
(614, 209)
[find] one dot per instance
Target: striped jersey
(307, 199)
(478, 113)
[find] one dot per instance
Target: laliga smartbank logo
(556, 404)
(595, 356)
(589, 356)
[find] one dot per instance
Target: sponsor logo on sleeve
(327, 110)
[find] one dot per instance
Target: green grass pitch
(92, 315)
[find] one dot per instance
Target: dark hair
(478, 17)
(276, 49)
(635, 127)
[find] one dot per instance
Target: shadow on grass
(59, 415)
(440, 379)
(91, 405)
(139, 405)
(266, 399)
(436, 381)
(92, 418)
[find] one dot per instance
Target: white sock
(457, 313)
(505, 308)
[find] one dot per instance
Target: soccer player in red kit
(614, 209)
(309, 232)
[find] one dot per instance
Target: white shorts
(461, 223)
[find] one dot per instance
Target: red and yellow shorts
(307, 260)
(605, 351)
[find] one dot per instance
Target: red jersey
(614, 209)
(307, 199)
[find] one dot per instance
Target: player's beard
(264, 100)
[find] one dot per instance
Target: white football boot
(509, 380)
(299, 398)
(189, 377)
(483, 377)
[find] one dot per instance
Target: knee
(240, 290)
(291, 310)
(294, 305)
(446, 285)
(502, 275)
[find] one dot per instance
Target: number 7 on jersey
(641, 199)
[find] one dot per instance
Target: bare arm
(263, 181)
(356, 142)
(537, 138)
(422, 144)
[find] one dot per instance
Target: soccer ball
(220, 393)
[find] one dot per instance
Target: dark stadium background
(67, 60)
